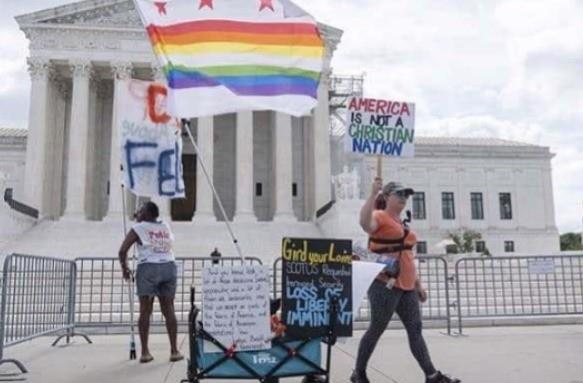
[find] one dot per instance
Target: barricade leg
(16, 363)
(69, 336)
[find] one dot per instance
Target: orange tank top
(389, 228)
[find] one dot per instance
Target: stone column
(121, 71)
(36, 146)
(321, 145)
(162, 202)
(515, 198)
(492, 200)
(282, 157)
(433, 200)
(463, 207)
(102, 155)
(91, 199)
(77, 190)
(244, 173)
(204, 195)
(549, 201)
(61, 95)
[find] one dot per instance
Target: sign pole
(379, 166)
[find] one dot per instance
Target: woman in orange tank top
(380, 217)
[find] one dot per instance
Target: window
(422, 247)
(509, 246)
(477, 205)
(505, 206)
(258, 189)
(480, 246)
(447, 205)
(419, 205)
(294, 189)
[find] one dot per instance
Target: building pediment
(101, 13)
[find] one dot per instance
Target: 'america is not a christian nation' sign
(380, 127)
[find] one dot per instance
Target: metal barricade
(498, 287)
(433, 272)
(102, 295)
(38, 295)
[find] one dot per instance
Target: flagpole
(186, 126)
(131, 280)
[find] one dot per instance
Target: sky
(509, 69)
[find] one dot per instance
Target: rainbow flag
(223, 56)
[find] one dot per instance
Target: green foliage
(571, 242)
(464, 242)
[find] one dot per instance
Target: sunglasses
(401, 194)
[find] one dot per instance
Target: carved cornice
(121, 70)
(39, 68)
(122, 14)
(63, 38)
(82, 68)
(332, 37)
(94, 12)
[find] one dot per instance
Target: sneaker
(441, 378)
(359, 377)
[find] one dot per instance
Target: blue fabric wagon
(286, 358)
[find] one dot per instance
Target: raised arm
(367, 222)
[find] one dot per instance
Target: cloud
(507, 69)
(14, 92)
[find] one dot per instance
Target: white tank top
(156, 239)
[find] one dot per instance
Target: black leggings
(383, 303)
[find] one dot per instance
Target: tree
(463, 242)
(571, 242)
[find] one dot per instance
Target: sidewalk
(544, 354)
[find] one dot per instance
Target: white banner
(235, 306)
(150, 140)
(380, 127)
(363, 275)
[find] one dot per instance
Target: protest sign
(235, 306)
(380, 127)
(149, 139)
(314, 271)
(541, 266)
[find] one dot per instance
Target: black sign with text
(313, 271)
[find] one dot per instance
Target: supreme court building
(272, 172)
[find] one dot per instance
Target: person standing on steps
(155, 276)
(380, 217)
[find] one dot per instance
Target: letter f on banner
(130, 147)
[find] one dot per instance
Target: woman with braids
(380, 217)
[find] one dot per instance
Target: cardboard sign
(380, 127)
(541, 266)
(314, 271)
(235, 306)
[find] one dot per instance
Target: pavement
(541, 354)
